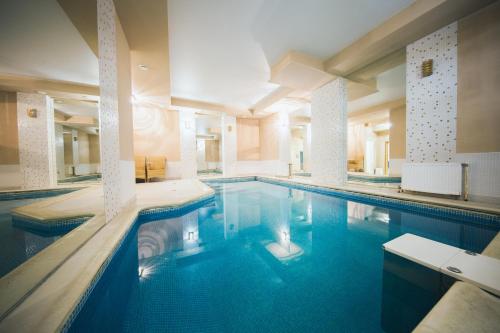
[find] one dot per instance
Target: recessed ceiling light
(143, 67)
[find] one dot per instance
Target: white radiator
(439, 178)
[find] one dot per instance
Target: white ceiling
(38, 39)
(221, 50)
(77, 108)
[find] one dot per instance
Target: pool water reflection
(267, 258)
(19, 244)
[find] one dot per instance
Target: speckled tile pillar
(284, 143)
(228, 131)
(307, 148)
(187, 126)
(329, 133)
(431, 102)
(113, 185)
(37, 154)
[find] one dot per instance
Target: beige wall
(83, 148)
(124, 95)
(9, 145)
(156, 133)
(397, 133)
(212, 152)
(247, 136)
(94, 149)
(269, 137)
(478, 100)
(258, 139)
(68, 148)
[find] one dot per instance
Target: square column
(307, 148)
(228, 132)
(187, 127)
(37, 155)
(284, 140)
(115, 111)
(329, 133)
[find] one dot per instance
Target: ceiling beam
(356, 90)
(83, 15)
(416, 21)
(54, 88)
(201, 105)
(270, 99)
(384, 64)
(145, 24)
(380, 107)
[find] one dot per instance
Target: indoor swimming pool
(268, 258)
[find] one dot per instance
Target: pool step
(479, 270)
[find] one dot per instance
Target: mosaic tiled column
(228, 133)
(37, 155)
(117, 187)
(187, 126)
(307, 148)
(431, 102)
(59, 144)
(329, 133)
(284, 143)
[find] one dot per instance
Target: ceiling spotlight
(143, 67)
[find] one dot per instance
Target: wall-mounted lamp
(427, 67)
(32, 113)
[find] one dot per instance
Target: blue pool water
(266, 258)
(18, 244)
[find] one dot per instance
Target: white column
(284, 142)
(329, 133)
(228, 132)
(59, 140)
(118, 188)
(187, 126)
(37, 155)
(307, 148)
